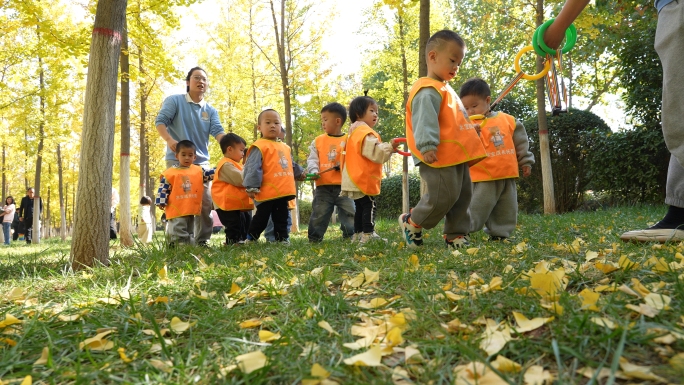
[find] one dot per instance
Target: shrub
(573, 139)
(389, 201)
(305, 209)
(631, 166)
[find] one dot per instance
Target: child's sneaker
(412, 235)
(365, 237)
(459, 242)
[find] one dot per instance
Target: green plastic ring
(536, 46)
(538, 38)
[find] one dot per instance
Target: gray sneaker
(653, 235)
(365, 237)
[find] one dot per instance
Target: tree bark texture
(39, 157)
(90, 243)
(125, 233)
(62, 212)
(544, 151)
(423, 37)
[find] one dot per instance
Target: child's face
(476, 105)
(270, 126)
(235, 152)
(371, 116)
(186, 156)
(331, 123)
(444, 61)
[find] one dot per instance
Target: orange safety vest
(458, 139)
(365, 174)
(226, 196)
(501, 161)
(329, 149)
(278, 174)
(187, 188)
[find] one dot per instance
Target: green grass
(567, 343)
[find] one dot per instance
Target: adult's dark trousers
(276, 209)
(364, 217)
(236, 224)
(28, 227)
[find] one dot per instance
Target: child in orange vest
(269, 177)
(364, 154)
(443, 143)
(233, 206)
(180, 193)
(324, 156)
(495, 196)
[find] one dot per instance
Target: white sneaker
(413, 236)
(355, 237)
(365, 237)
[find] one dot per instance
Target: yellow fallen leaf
(644, 309)
(370, 276)
(400, 376)
(627, 264)
(589, 372)
(163, 274)
(9, 320)
(677, 361)
(8, 341)
(638, 371)
(28, 380)
(44, 355)
(124, 357)
(472, 250)
(318, 373)
(98, 342)
(109, 301)
(68, 318)
(553, 306)
(494, 284)
(477, 373)
(547, 285)
(325, 325)
(17, 293)
(413, 261)
(602, 321)
(453, 296)
(267, 336)
(151, 332)
(179, 326)
(536, 375)
(660, 265)
(412, 355)
(394, 338)
(590, 255)
(520, 248)
(526, 325)
(606, 266)
(658, 301)
(251, 361)
(158, 300)
(505, 365)
(589, 299)
(164, 366)
(250, 323)
(234, 288)
(495, 338)
(372, 357)
(372, 304)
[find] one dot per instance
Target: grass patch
(290, 289)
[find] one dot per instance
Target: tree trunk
(48, 217)
(62, 209)
(424, 36)
(91, 225)
(405, 205)
(544, 151)
(39, 158)
(4, 177)
(252, 60)
(125, 232)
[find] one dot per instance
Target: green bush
(390, 199)
(574, 137)
(305, 209)
(631, 166)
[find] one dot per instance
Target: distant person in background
(26, 213)
(8, 211)
(189, 117)
(112, 220)
(17, 226)
(145, 229)
(217, 221)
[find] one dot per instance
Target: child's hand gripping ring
(400, 152)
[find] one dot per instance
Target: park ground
(564, 300)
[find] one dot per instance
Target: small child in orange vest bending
(324, 161)
(443, 143)
(233, 206)
(269, 177)
(495, 196)
(364, 154)
(180, 193)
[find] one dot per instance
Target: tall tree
(125, 233)
(544, 151)
(91, 226)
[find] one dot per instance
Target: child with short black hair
(495, 196)
(180, 193)
(145, 230)
(269, 177)
(364, 154)
(443, 143)
(324, 161)
(233, 206)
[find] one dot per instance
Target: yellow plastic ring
(476, 117)
(516, 63)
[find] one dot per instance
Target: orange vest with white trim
(501, 161)
(458, 139)
(365, 174)
(278, 174)
(187, 188)
(329, 149)
(226, 196)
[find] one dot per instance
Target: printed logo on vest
(282, 160)
(187, 186)
(497, 137)
(332, 154)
